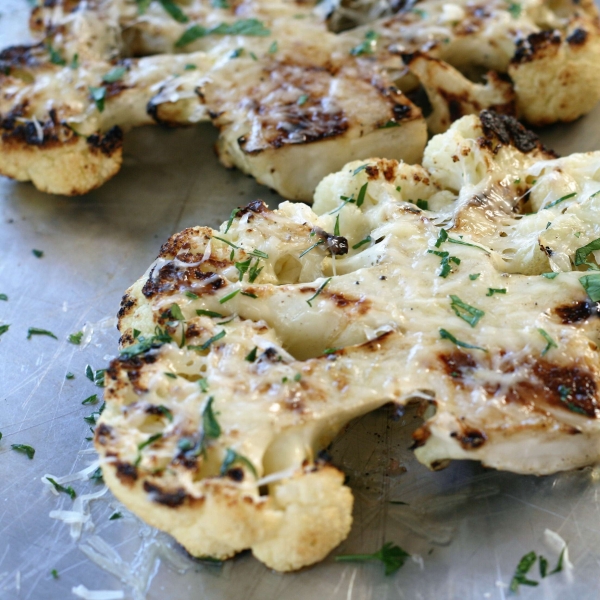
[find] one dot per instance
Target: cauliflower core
(279, 85)
(246, 350)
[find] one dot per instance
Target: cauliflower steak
(469, 283)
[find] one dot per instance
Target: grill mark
(160, 496)
(109, 143)
(170, 279)
(127, 473)
(576, 312)
(529, 48)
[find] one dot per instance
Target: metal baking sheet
(466, 526)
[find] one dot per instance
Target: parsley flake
(232, 216)
(492, 291)
(25, 449)
(303, 99)
(115, 516)
(321, 288)
(393, 557)
(55, 56)
(4, 328)
(54, 574)
(75, 338)
(550, 343)
(210, 425)
(591, 284)
(191, 295)
(361, 195)
(273, 47)
(514, 8)
(446, 335)
(35, 331)
(251, 356)
(550, 275)
(38, 253)
(464, 311)
(310, 248)
(359, 169)
(474, 276)
(252, 27)
(174, 11)
(361, 243)
(4, 297)
(423, 204)
(98, 95)
(562, 199)
(231, 458)
(61, 488)
(582, 253)
(163, 410)
(519, 578)
(114, 74)
(209, 313)
(367, 46)
(93, 399)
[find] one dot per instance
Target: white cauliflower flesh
(281, 87)
(469, 282)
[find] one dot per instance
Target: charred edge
(420, 437)
(103, 434)
(576, 312)
(22, 56)
(457, 364)
(578, 37)
(127, 473)
(501, 130)
(109, 143)
(170, 499)
(255, 207)
(270, 355)
(236, 474)
(336, 244)
(529, 47)
(127, 305)
(386, 167)
(180, 242)
(469, 438)
(171, 278)
(572, 388)
(152, 110)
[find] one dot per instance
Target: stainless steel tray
(467, 526)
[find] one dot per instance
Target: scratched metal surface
(469, 525)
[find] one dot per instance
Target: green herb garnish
(361, 243)
(75, 338)
(549, 275)
(4, 328)
(25, 449)
(464, 311)
(38, 253)
(174, 10)
(191, 295)
(310, 248)
(61, 488)
(423, 204)
(114, 74)
(446, 335)
(367, 46)
(582, 253)
(54, 574)
(231, 458)
(209, 341)
(474, 276)
(229, 296)
(93, 399)
(303, 99)
(115, 516)
(251, 356)
(153, 438)
(210, 425)
(359, 169)
(4, 297)
(252, 27)
(209, 313)
(273, 47)
(392, 556)
(98, 95)
(550, 343)
(519, 578)
(514, 8)
(159, 338)
(321, 288)
(492, 291)
(35, 331)
(55, 56)
(96, 476)
(361, 195)
(561, 200)
(69, 375)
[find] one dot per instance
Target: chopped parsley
(303, 99)
(209, 313)
(69, 375)
(54, 574)
(115, 516)
(310, 248)
(4, 297)
(321, 288)
(367, 46)
(174, 11)
(550, 343)
(190, 67)
(254, 271)
(208, 342)
(219, 3)
(550, 275)
(464, 311)
(359, 169)
(336, 227)
(242, 268)
(25, 449)
(361, 195)
(96, 476)
(93, 399)
(297, 376)
(114, 74)
(153, 438)
(444, 237)
(203, 383)
(231, 458)
(75, 338)
(38, 253)
(562, 199)
(61, 488)
(191, 295)
(474, 276)
(492, 291)
(165, 411)
(446, 335)
(273, 47)
(446, 269)
(159, 338)
(98, 95)
(251, 356)
(170, 375)
(423, 204)
(582, 253)
(4, 329)
(75, 61)
(524, 566)
(176, 313)
(252, 27)
(232, 216)
(96, 377)
(210, 425)
(389, 124)
(35, 331)
(393, 557)
(591, 284)
(361, 243)
(514, 8)
(55, 56)
(236, 53)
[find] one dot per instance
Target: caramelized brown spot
(576, 312)
(469, 438)
(420, 435)
(503, 130)
(170, 279)
(457, 364)
(534, 44)
(127, 473)
(109, 143)
(158, 495)
(103, 434)
(578, 37)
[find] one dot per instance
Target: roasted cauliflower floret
(246, 350)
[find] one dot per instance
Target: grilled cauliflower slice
(246, 350)
(550, 52)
